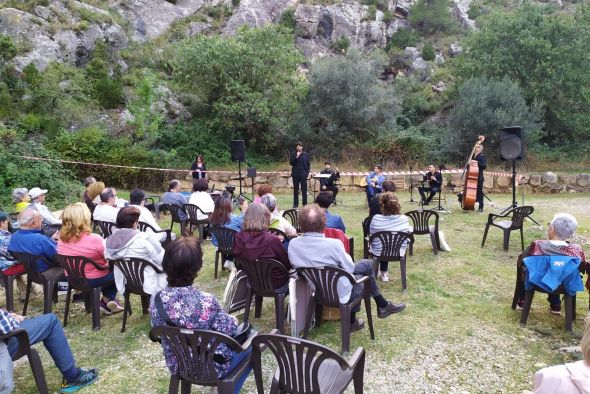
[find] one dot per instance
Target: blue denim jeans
(109, 292)
(6, 379)
(237, 359)
(47, 328)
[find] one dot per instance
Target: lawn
(458, 333)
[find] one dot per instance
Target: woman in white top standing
(201, 198)
(390, 219)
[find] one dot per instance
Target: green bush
(371, 13)
(430, 16)
(428, 53)
(341, 44)
(404, 38)
(388, 17)
(381, 5)
(288, 19)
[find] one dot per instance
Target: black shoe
(358, 324)
(390, 309)
(480, 210)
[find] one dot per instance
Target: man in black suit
(329, 184)
(299, 172)
(434, 179)
(482, 163)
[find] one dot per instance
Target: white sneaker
(384, 276)
(228, 265)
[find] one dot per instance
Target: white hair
(19, 193)
(564, 225)
(26, 216)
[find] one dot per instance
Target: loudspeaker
(251, 172)
(511, 144)
(238, 150)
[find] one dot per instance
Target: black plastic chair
(24, 348)
(144, 227)
(153, 203)
(175, 213)
(324, 281)
(192, 210)
(106, 228)
(133, 269)
(75, 267)
(366, 226)
(260, 285)
(306, 367)
(516, 222)
(391, 244)
(225, 244)
(8, 283)
(281, 234)
(194, 350)
(48, 279)
(292, 215)
(421, 226)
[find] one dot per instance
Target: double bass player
(482, 163)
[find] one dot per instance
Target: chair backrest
(225, 238)
(75, 268)
(259, 274)
(519, 214)
(298, 360)
(391, 243)
(29, 261)
(194, 351)
(292, 215)
(421, 220)
(133, 269)
(174, 211)
(324, 281)
(279, 233)
(143, 227)
(192, 211)
(106, 228)
(366, 226)
(236, 292)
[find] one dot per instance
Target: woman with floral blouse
(191, 308)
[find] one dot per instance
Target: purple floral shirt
(190, 308)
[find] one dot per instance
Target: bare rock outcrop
(256, 13)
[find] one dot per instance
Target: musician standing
(330, 183)
(482, 163)
(434, 179)
(299, 172)
(374, 182)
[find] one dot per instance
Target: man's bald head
(312, 219)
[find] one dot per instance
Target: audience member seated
(569, 378)
(87, 182)
(277, 221)
(21, 199)
(76, 239)
(374, 208)
(93, 191)
(128, 241)
(186, 306)
(137, 199)
(201, 198)
(107, 210)
(9, 265)
(375, 181)
(47, 329)
(263, 189)
(174, 197)
(255, 242)
(324, 200)
(389, 219)
(30, 239)
(562, 227)
(314, 250)
(222, 216)
(50, 223)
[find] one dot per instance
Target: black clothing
(330, 183)
(434, 186)
(299, 172)
(197, 175)
(482, 163)
(374, 207)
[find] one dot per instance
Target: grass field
(457, 335)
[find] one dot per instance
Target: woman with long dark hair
(223, 216)
(199, 169)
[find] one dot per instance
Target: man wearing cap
(50, 223)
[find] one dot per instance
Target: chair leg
(528, 300)
(28, 294)
(173, 385)
(258, 307)
(411, 249)
(357, 377)
(201, 229)
(280, 312)
(375, 265)
(185, 387)
(248, 304)
(67, 310)
(485, 234)
(345, 311)
(145, 305)
(95, 305)
(367, 297)
(433, 241)
(310, 310)
(37, 369)
(48, 296)
(517, 289)
(506, 239)
(568, 312)
(521, 238)
(126, 310)
(217, 253)
(9, 289)
(402, 266)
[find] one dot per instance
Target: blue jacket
(235, 223)
(334, 221)
(34, 242)
(549, 272)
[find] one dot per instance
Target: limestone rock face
(256, 13)
(459, 10)
(583, 180)
(549, 177)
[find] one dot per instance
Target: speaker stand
(514, 203)
(235, 199)
(411, 187)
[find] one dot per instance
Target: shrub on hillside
(404, 38)
(430, 16)
(428, 53)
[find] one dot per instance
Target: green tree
(483, 107)
(346, 104)
(428, 53)
(249, 81)
(430, 16)
(147, 120)
(105, 81)
(547, 55)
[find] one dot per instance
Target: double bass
(471, 173)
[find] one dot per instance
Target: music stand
(412, 187)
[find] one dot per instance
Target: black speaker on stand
(238, 153)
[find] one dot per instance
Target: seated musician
(561, 228)
(374, 182)
(434, 179)
(329, 184)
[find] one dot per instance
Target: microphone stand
(411, 184)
